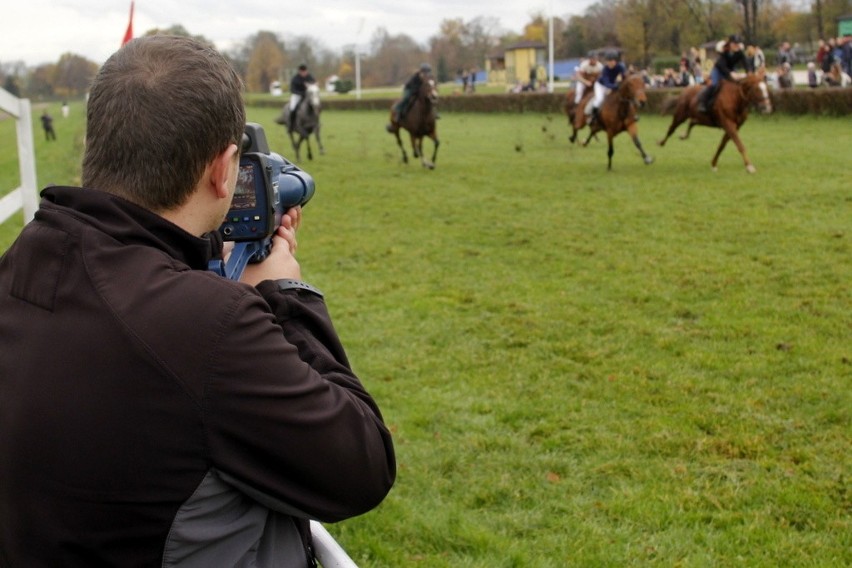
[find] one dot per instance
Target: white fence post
(25, 196)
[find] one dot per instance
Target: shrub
(342, 86)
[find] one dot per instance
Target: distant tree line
(644, 30)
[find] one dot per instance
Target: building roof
(527, 44)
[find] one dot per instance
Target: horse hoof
(751, 169)
(715, 169)
(429, 165)
(649, 160)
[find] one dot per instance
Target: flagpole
(128, 35)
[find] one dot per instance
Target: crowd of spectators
(830, 66)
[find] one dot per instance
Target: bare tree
(393, 59)
(73, 74)
(266, 61)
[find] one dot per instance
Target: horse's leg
(435, 143)
(422, 155)
(732, 133)
(401, 147)
(435, 149)
(319, 140)
(295, 146)
(722, 144)
(634, 134)
(307, 139)
(415, 148)
(610, 151)
(677, 120)
(573, 136)
(592, 132)
(689, 128)
(579, 123)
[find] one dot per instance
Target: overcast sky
(40, 31)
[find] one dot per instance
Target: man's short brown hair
(160, 109)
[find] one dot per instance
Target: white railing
(25, 196)
(329, 553)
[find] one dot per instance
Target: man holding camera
(153, 412)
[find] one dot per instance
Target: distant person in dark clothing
(47, 124)
(785, 55)
(813, 80)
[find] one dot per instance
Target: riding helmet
(425, 67)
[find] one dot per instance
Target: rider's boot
(292, 121)
(394, 123)
(593, 119)
(703, 97)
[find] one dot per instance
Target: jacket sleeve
(287, 420)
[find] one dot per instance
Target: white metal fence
(26, 195)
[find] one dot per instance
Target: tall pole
(357, 73)
(358, 60)
(550, 52)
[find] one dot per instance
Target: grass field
(650, 366)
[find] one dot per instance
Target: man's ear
(221, 169)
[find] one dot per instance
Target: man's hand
(281, 262)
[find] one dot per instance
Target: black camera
(267, 186)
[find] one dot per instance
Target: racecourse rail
(827, 101)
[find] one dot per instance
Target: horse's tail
(669, 104)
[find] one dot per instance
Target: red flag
(128, 35)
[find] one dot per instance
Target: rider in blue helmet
(612, 74)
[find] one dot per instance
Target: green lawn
(649, 366)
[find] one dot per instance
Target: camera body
(267, 186)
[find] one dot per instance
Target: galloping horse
(576, 116)
(419, 121)
(729, 111)
(307, 122)
(618, 113)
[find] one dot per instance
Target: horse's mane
(631, 77)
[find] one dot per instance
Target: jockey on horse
(611, 75)
(730, 57)
(298, 89)
(411, 88)
(587, 73)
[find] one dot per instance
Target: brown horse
(576, 116)
(619, 113)
(728, 112)
(419, 121)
